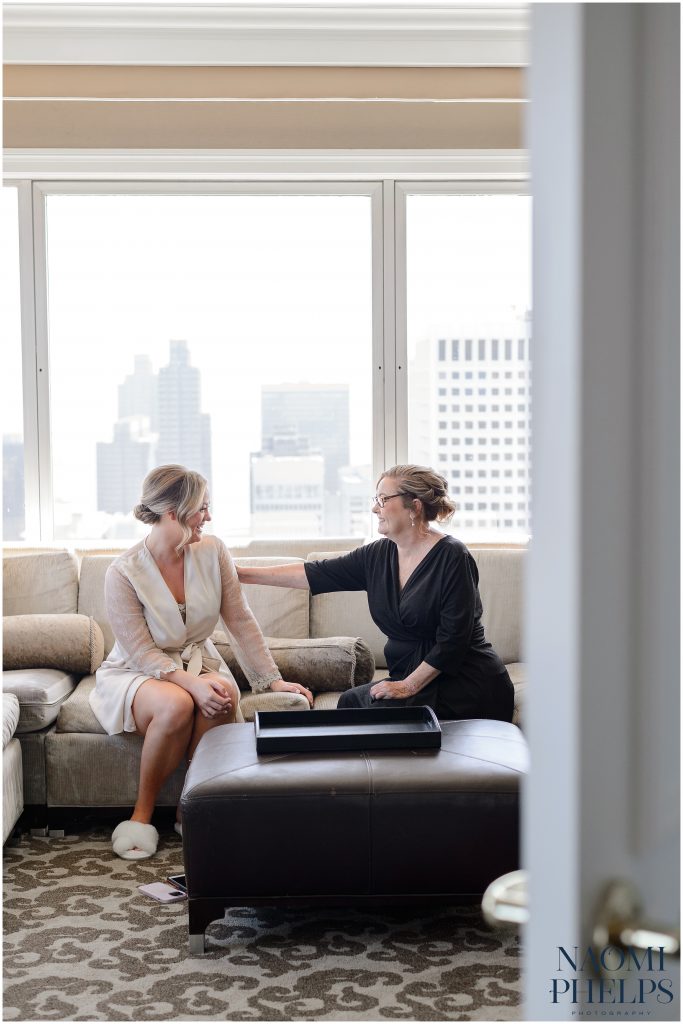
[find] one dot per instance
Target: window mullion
(401, 319)
(389, 305)
(29, 363)
(379, 365)
(42, 372)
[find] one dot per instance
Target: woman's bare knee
(177, 712)
(168, 705)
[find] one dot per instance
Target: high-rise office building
(138, 393)
(159, 421)
(287, 488)
(319, 412)
(122, 465)
(355, 507)
(469, 416)
(184, 431)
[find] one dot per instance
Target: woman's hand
(393, 689)
(210, 695)
(280, 686)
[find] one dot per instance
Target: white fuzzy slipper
(178, 826)
(133, 840)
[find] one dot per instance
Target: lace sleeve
(243, 630)
(130, 627)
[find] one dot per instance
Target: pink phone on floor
(162, 893)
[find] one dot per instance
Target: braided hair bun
(145, 514)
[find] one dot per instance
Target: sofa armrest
(250, 703)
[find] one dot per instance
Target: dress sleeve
(458, 612)
(242, 628)
(129, 625)
(348, 572)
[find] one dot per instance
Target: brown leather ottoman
(381, 827)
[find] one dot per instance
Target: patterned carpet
(82, 944)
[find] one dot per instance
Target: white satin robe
(152, 638)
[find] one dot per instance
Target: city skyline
(159, 422)
(275, 288)
(481, 377)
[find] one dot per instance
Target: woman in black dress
(423, 594)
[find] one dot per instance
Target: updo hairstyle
(423, 483)
(171, 489)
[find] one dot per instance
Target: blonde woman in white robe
(164, 678)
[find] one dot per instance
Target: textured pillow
(73, 643)
(329, 663)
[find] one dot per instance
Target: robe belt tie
(194, 658)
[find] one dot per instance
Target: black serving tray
(289, 732)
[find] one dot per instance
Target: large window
(13, 517)
(288, 340)
(468, 279)
(229, 333)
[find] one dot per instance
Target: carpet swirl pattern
(82, 944)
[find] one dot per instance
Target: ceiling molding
(359, 35)
(265, 165)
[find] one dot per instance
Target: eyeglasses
(381, 499)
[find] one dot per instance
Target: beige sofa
(12, 773)
(68, 761)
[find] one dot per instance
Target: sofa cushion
(92, 771)
(73, 643)
(12, 787)
(10, 717)
(279, 611)
(517, 673)
(41, 583)
(326, 701)
(33, 765)
(345, 614)
(40, 692)
(250, 703)
(501, 586)
(91, 594)
(293, 548)
(75, 714)
(328, 663)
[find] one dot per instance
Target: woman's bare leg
(164, 715)
(202, 725)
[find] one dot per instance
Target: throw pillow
(330, 663)
(72, 643)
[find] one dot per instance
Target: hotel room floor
(81, 943)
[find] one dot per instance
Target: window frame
(388, 195)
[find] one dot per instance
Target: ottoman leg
(201, 912)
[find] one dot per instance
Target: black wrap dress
(436, 618)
